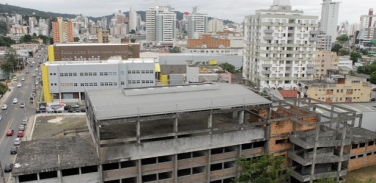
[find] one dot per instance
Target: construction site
(196, 133)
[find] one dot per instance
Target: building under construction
(196, 133)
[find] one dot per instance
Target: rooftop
(55, 154)
(109, 61)
(289, 93)
(123, 103)
(92, 44)
(361, 135)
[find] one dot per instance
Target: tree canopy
(228, 67)
(354, 56)
(3, 28)
(175, 49)
(336, 48)
(264, 169)
(343, 38)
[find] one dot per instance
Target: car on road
(17, 141)
(15, 79)
(21, 128)
(22, 104)
(23, 79)
(8, 167)
(27, 72)
(19, 85)
(20, 134)
(1, 117)
(13, 150)
(10, 132)
(24, 121)
(15, 101)
(4, 107)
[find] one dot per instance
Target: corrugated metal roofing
(118, 103)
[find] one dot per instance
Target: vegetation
(354, 56)
(76, 39)
(367, 69)
(133, 40)
(175, 49)
(3, 28)
(352, 73)
(228, 67)
(3, 88)
(265, 169)
(11, 63)
(343, 51)
(372, 78)
(343, 38)
(5, 8)
(34, 39)
(6, 41)
(336, 48)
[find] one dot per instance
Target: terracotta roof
(288, 93)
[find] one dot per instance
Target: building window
(122, 82)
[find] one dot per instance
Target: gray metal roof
(123, 103)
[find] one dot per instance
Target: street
(13, 116)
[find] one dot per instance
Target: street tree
(265, 169)
(372, 78)
(7, 68)
(354, 56)
(343, 38)
(228, 67)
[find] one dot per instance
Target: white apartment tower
(280, 46)
(367, 21)
(329, 18)
(197, 24)
(215, 25)
(132, 20)
(160, 24)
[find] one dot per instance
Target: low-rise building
(67, 81)
(338, 88)
(92, 51)
(325, 60)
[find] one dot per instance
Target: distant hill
(10, 9)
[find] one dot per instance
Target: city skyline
(98, 8)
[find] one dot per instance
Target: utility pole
(2, 172)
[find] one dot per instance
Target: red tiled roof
(288, 93)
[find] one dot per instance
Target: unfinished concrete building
(196, 133)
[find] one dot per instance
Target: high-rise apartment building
(367, 31)
(132, 20)
(32, 24)
(62, 30)
(160, 24)
(329, 19)
(197, 24)
(215, 25)
(102, 35)
(367, 21)
(280, 46)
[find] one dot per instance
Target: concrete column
(210, 122)
(176, 127)
(139, 173)
(60, 179)
(341, 150)
(138, 132)
(331, 115)
(314, 153)
(59, 97)
(241, 117)
(234, 114)
(176, 168)
(79, 97)
(237, 164)
(208, 166)
(16, 179)
(360, 120)
(38, 176)
(100, 170)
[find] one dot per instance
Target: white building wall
(329, 18)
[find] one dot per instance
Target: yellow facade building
(325, 60)
(339, 89)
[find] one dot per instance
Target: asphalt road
(13, 116)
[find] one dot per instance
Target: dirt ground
(362, 175)
(53, 126)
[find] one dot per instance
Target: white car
(15, 79)
(17, 141)
(23, 79)
(19, 85)
(15, 101)
(4, 107)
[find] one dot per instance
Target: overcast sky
(234, 10)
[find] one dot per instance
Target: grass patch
(362, 175)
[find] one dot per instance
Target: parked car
(8, 167)
(13, 150)
(82, 110)
(67, 107)
(373, 89)
(15, 101)
(10, 132)
(21, 128)
(5, 106)
(74, 109)
(20, 134)
(24, 121)
(373, 99)
(17, 141)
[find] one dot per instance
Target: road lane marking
(6, 129)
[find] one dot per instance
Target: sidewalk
(12, 87)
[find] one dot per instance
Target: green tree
(3, 28)
(265, 169)
(7, 67)
(228, 67)
(354, 56)
(343, 38)
(132, 32)
(336, 48)
(372, 78)
(34, 34)
(46, 39)
(133, 40)
(76, 39)
(343, 51)
(26, 39)
(175, 49)
(352, 73)
(3, 88)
